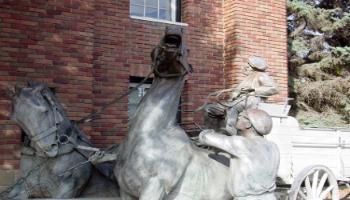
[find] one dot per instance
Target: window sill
(158, 20)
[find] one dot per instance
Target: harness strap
(115, 100)
(87, 148)
(64, 149)
(44, 134)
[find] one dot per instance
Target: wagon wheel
(315, 183)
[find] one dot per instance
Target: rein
(91, 116)
(23, 180)
(63, 136)
(154, 70)
(65, 139)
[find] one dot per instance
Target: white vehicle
(313, 160)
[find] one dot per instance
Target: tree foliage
(319, 60)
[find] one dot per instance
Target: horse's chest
(152, 159)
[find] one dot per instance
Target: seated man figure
(254, 162)
(254, 88)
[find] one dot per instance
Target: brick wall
(88, 49)
(256, 28)
(51, 42)
(206, 43)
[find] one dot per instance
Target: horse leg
(17, 192)
(125, 196)
(66, 191)
(230, 120)
(154, 190)
(67, 188)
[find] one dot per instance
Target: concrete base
(282, 193)
(94, 198)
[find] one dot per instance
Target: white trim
(158, 10)
(173, 10)
(158, 20)
(144, 8)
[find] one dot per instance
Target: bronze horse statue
(46, 162)
(157, 160)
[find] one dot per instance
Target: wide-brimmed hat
(257, 63)
(260, 120)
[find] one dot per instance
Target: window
(168, 10)
(136, 95)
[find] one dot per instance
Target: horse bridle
(163, 49)
(61, 139)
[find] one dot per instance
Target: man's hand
(235, 95)
(203, 136)
(96, 157)
(102, 156)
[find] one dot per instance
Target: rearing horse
(47, 163)
(157, 160)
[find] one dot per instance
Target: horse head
(169, 57)
(35, 109)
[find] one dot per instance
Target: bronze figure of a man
(256, 87)
(255, 160)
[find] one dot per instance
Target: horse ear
(31, 83)
(17, 90)
(10, 92)
(37, 86)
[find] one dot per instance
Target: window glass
(165, 4)
(152, 3)
(138, 2)
(135, 97)
(158, 9)
(164, 14)
(151, 12)
(136, 10)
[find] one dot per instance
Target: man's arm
(229, 144)
(267, 86)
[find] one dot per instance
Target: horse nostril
(51, 150)
(63, 139)
(54, 146)
(51, 147)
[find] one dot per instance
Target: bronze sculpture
(256, 86)
(255, 160)
(157, 159)
(46, 162)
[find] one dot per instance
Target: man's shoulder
(262, 74)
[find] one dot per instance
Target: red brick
(88, 49)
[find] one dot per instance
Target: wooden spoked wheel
(315, 183)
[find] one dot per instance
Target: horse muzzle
(51, 150)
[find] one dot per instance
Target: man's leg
(230, 121)
(214, 116)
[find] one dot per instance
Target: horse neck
(158, 109)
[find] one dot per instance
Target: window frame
(175, 13)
